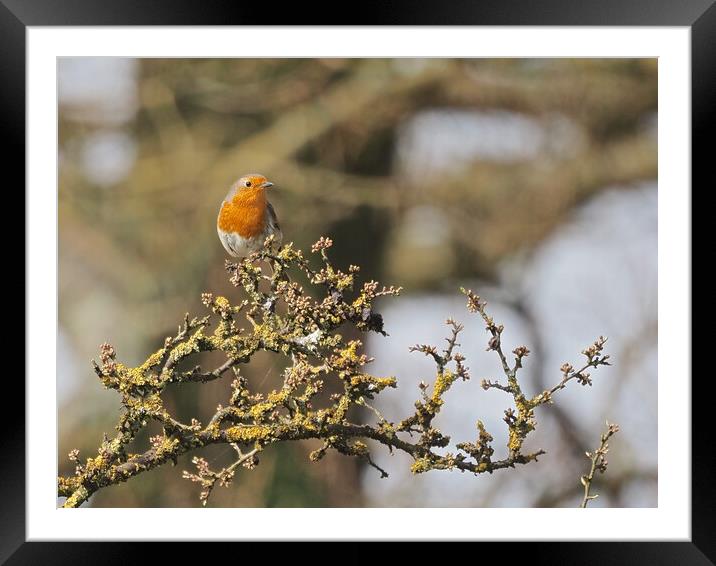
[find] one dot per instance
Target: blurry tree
(146, 158)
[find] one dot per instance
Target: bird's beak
(266, 185)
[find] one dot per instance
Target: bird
(246, 217)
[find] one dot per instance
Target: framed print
(425, 275)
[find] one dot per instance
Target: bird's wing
(272, 216)
(273, 221)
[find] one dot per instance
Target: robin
(246, 217)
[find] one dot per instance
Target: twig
(598, 460)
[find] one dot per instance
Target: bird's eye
(247, 183)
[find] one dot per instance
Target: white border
(670, 521)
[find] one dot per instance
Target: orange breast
(245, 214)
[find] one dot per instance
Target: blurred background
(531, 181)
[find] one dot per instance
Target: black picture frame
(699, 15)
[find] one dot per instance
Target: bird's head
(247, 185)
(253, 182)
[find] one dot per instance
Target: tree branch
(288, 321)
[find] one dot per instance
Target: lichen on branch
(277, 314)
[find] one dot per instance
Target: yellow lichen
(76, 499)
(514, 443)
(66, 485)
(222, 302)
(420, 465)
(167, 447)
(153, 360)
(274, 399)
(248, 434)
(376, 384)
(340, 410)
